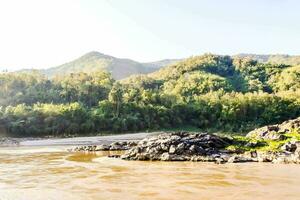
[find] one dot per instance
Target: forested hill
(206, 92)
(274, 59)
(199, 75)
(95, 61)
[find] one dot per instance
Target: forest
(208, 92)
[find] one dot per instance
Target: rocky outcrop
(288, 132)
(278, 143)
(290, 153)
(197, 147)
(203, 147)
(180, 146)
(115, 146)
(275, 132)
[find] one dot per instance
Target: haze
(41, 34)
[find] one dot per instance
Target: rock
(253, 154)
(172, 149)
(165, 157)
(115, 146)
(295, 158)
(291, 146)
(172, 157)
(204, 147)
(219, 161)
(114, 156)
(281, 160)
(178, 146)
(203, 159)
(275, 132)
(199, 150)
(266, 134)
(286, 158)
(102, 147)
(240, 159)
(266, 156)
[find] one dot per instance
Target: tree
(116, 97)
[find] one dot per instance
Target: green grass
(240, 143)
(294, 135)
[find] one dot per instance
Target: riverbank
(279, 143)
(92, 140)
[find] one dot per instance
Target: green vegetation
(243, 144)
(206, 92)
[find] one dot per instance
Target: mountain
(199, 75)
(161, 63)
(94, 61)
(121, 68)
(272, 58)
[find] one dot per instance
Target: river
(51, 172)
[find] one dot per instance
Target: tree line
(207, 92)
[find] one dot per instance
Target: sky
(47, 33)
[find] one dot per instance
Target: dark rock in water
(240, 159)
(181, 146)
(115, 146)
(277, 131)
(114, 156)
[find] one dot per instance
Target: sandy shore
(94, 140)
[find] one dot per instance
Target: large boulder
(277, 131)
(178, 146)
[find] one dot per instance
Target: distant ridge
(272, 58)
(94, 61)
(121, 68)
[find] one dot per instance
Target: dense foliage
(207, 92)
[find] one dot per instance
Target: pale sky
(46, 33)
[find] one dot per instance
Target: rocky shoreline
(197, 147)
(9, 142)
(278, 143)
(74, 141)
(115, 146)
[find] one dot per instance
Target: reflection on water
(53, 173)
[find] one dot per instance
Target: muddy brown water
(39, 173)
